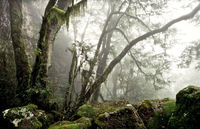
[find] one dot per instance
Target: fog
(99, 64)
(156, 71)
(92, 22)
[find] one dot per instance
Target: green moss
(119, 111)
(187, 109)
(71, 126)
(82, 123)
(17, 112)
(169, 107)
(36, 124)
(150, 124)
(148, 103)
(30, 107)
(94, 110)
(28, 117)
(58, 14)
(87, 111)
(123, 117)
(156, 113)
(100, 121)
(59, 124)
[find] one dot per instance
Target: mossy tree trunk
(39, 73)
(21, 58)
(53, 19)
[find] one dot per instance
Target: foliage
(191, 54)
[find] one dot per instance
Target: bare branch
(136, 62)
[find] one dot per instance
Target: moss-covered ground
(182, 113)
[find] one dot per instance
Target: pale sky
(186, 32)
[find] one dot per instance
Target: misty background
(165, 65)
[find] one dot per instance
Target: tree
(89, 87)
(130, 18)
(22, 65)
(52, 21)
(113, 63)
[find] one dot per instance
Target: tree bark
(21, 58)
(50, 26)
(48, 33)
(53, 19)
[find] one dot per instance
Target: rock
(187, 114)
(156, 113)
(82, 123)
(124, 118)
(26, 117)
(117, 115)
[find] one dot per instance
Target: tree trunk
(49, 29)
(53, 19)
(105, 50)
(102, 66)
(114, 82)
(21, 58)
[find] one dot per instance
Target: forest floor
(182, 113)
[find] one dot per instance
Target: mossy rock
(187, 114)
(26, 117)
(156, 113)
(116, 115)
(124, 118)
(82, 123)
(87, 111)
(93, 110)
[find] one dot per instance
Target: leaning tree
(88, 87)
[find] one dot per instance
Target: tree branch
(137, 64)
(110, 67)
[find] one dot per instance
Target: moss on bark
(21, 58)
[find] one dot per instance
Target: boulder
(187, 114)
(26, 117)
(156, 113)
(117, 115)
